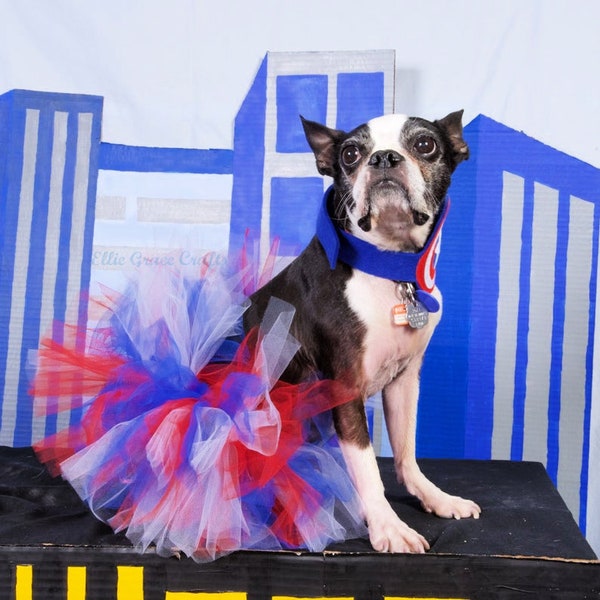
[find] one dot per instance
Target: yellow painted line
(76, 583)
(24, 583)
(320, 598)
(205, 596)
(130, 583)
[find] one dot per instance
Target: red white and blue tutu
(189, 441)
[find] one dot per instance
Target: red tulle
(208, 462)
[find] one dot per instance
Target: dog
(390, 178)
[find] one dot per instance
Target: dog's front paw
(388, 533)
(434, 500)
(450, 507)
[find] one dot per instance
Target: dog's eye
(350, 155)
(425, 145)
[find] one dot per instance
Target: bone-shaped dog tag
(417, 315)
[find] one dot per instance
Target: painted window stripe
(508, 310)
(80, 205)
(588, 477)
(77, 230)
(34, 265)
(182, 211)
(60, 285)
(539, 335)
(575, 347)
(52, 242)
(19, 282)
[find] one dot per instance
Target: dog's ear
(452, 125)
(323, 142)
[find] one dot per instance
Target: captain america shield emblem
(426, 267)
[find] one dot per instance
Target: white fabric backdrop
(175, 73)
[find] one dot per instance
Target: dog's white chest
(388, 347)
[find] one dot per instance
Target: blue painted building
(48, 173)
(510, 366)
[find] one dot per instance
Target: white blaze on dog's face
(388, 188)
(391, 175)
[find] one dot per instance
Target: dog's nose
(385, 159)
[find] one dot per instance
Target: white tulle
(170, 459)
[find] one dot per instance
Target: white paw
(450, 507)
(388, 533)
(433, 500)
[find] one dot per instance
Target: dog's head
(390, 175)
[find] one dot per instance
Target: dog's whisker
(343, 208)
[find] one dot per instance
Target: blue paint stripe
(248, 167)
(360, 97)
(60, 285)
(521, 350)
(119, 157)
(444, 375)
(304, 95)
(558, 323)
(85, 274)
(482, 307)
(298, 196)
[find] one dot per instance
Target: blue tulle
(189, 441)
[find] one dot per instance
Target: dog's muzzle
(382, 159)
(388, 159)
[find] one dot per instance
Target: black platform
(525, 545)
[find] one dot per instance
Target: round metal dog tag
(417, 315)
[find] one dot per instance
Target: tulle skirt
(189, 441)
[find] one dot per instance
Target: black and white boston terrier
(365, 297)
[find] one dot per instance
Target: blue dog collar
(414, 267)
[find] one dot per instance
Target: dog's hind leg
(400, 405)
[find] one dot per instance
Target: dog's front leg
(400, 399)
(387, 532)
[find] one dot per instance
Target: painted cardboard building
(508, 373)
